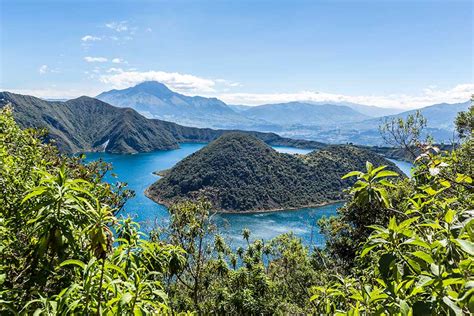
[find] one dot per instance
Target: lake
(137, 170)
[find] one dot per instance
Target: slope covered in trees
(87, 124)
(238, 172)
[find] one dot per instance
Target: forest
(398, 246)
(240, 173)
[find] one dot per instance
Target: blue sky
(387, 53)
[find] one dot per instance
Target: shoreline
(274, 210)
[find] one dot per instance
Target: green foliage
(398, 246)
(371, 202)
(240, 173)
(56, 236)
(421, 260)
(465, 121)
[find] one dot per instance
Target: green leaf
(424, 256)
(449, 216)
(452, 305)
(417, 242)
(117, 269)
(369, 166)
(366, 250)
(404, 308)
(408, 222)
(392, 224)
(351, 174)
(126, 298)
(385, 174)
(452, 281)
(466, 245)
(73, 262)
(36, 192)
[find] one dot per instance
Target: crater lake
(138, 172)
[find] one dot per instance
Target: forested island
(240, 173)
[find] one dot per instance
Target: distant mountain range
(369, 110)
(87, 124)
(240, 173)
(332, 122)
(440, 125)
(300, 113)
(154, 100)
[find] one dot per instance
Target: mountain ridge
(155, 100)
(87, 124)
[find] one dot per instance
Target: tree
(465, 121)
(404, 134)
(369, 202)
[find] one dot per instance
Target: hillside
(86, 124)
(154, 100)
(240, 173)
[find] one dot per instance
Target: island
(240, 173)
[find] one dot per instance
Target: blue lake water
(403, 166)
(137, 170)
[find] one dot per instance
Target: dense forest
(398, 246)
(240, 173)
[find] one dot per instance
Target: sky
(402, 54)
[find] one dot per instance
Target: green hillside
(238, 172)
(86, 124)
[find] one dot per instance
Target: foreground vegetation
(398, 246)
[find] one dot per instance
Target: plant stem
(100, 286)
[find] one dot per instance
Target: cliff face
(241, 173)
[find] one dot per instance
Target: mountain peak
(152, 87)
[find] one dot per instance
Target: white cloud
(43, 69)
(429, 96)
(118, 26)
(187, 83)
(90, 38)
(114, 70)
(228, 83)
(174, 80)
(90, 59)
(119, 61)
(54, 92)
